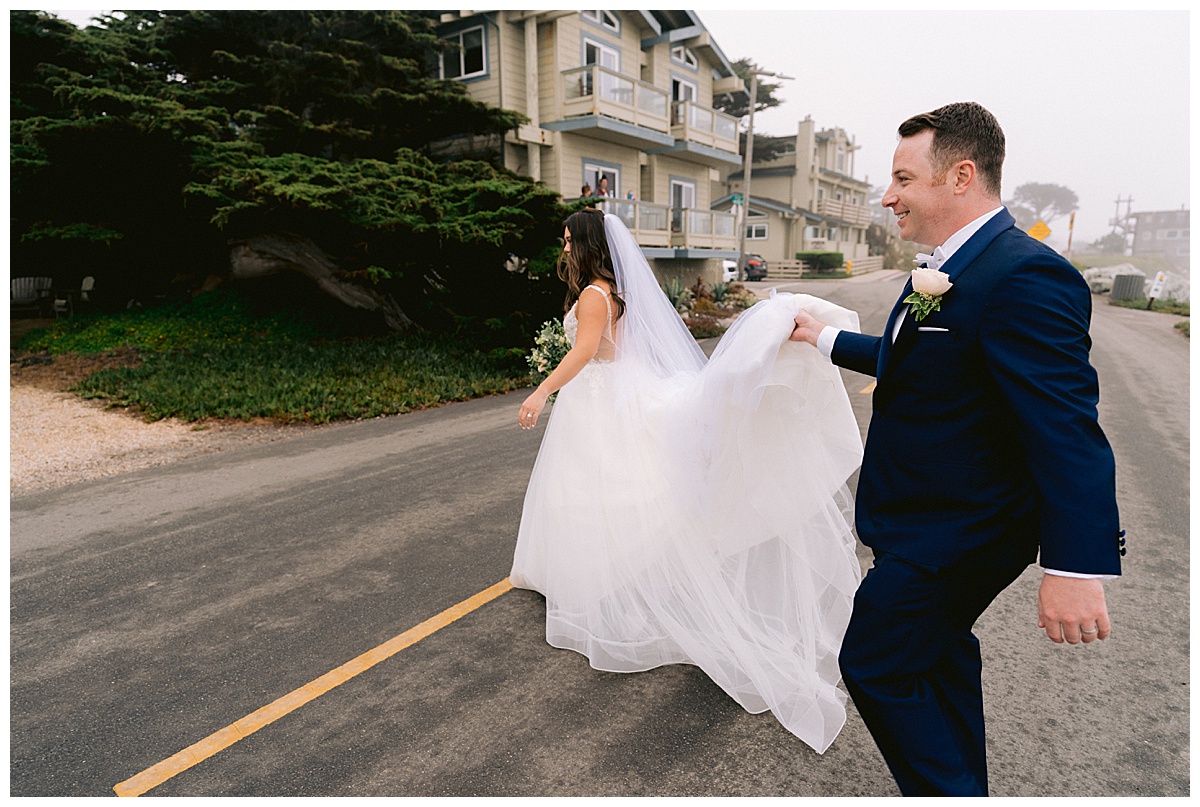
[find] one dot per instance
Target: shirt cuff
(1082, 576)
(826, 339)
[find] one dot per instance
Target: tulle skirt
(704, 519)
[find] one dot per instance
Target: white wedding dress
(699, 513)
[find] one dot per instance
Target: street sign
(1039, 230)
(737, 198)
(1160, 280)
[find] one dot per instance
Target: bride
(684, 511)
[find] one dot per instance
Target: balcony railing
(701, 124)
(855, 214)
(711, 229)
(661, 226)
(649, 223)
(596, 90)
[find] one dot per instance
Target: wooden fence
(794, 270)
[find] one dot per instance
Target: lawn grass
(1179, 307)
(211, 358)
(1185, 327)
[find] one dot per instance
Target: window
(683, 197)
(470, 59)
(593, 172)
(814, 232)
(1172, 233)
(683, 90)
(756, 231)
(841, 158)
(685, 56)
(603, 18)
(597, 53)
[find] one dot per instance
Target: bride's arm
(592, 313)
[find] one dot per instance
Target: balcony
(661, 226)
(705, 229)
(700, 124)
(649, 223)
(599, 92)
(854, 214)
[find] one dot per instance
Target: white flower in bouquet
(549, 347)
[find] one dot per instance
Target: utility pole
(1122, 222)
(749, 159)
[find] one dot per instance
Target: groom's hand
(807, 329)
(1072, 609)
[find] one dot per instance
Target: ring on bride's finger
(1089, 632)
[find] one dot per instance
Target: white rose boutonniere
(928, 287)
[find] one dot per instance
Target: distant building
(805, 199)
(620, 97)
(1166, 233)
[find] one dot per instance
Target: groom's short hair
(962, 131)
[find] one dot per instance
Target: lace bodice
(608, 348)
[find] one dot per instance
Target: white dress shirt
(829, 334)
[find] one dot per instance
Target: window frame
(461, 53)
(599, 168)
(689, 58)
(602, 18)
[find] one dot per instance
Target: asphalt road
(150, 610)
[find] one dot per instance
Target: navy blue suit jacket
(984, 441)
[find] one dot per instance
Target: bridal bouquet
(549, 348)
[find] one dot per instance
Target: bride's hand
(531, 409)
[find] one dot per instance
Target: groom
(983, 453)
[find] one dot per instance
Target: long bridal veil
(692, 511)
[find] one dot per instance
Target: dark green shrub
(822, 261)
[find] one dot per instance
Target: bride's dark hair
(589, 258)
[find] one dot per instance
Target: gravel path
(57, 438)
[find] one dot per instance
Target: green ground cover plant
(213, 358)
(1181, 307)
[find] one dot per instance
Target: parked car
(756, 267)
(728, 271)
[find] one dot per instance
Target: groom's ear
(963, 176)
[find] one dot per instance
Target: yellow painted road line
(220, 740)
(868, 389)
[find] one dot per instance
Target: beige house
(619, 97)
(805, 199)
(1165, 232)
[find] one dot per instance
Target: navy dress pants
(912, 666)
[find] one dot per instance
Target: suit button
(1122, 551)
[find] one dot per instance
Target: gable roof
(770, 204)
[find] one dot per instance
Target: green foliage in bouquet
(550, 346)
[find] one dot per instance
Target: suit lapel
(963, 257)
(885, 347)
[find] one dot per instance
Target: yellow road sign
(1039, 230)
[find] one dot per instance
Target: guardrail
(596, 90)
(855, 214)
(692, 227)
(701, 124)
(649, 223)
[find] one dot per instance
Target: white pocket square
(933, 330)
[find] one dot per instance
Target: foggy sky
(1096, 101)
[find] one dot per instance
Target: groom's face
(921, 201)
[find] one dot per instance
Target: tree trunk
(269, 254)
